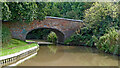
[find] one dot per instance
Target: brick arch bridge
(63, 27)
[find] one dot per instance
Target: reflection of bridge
(63, 28)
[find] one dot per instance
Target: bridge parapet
(64, 19)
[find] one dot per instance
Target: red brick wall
(64, 28)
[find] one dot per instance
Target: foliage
(102, 21)
(19, 11)
(99, 18)
(54, 11)
(38, 34)
(101, 24)
(29, 11)
(72, 14)
(68, 9)
(102, 16)
(84, 37)
(6, 13)
(6, 35)
(44, 34)
(109, 42)
(52, 37)
(75, 39)
(0, 34)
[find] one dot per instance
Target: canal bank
(19, 57)
(16, 52)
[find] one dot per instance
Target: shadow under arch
(60, 34)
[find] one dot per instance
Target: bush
(6, 36)
(74, 40)
(52, 37)
(102, 22)
(98, 18)
(81, 37)
(109, 42)
(101, 16)
(106, 13)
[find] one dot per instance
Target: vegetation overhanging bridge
(63, 27)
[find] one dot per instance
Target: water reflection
(53, 49)
(71, 56)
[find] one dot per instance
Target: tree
(98, 19)
(68, 9)
(19, 11)
(6, 13)
(52, 10)
(72, 15)
(52, 37)
(102, 16)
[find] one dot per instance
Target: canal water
(60, 55)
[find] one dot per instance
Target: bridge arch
(64, 28)
(60, 34)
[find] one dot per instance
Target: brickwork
(64, 28)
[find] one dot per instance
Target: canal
(61, 55)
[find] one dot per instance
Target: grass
(16, 46)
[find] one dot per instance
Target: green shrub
(102, 13)
(52, 37)
(6, 35)
(75, 39)
(102, 16)
(99, 18)
(82, 37)
(109, 42)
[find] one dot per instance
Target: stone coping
(20, 61)
(16, 54)
(63, 18)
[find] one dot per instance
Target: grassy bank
(15, 46)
